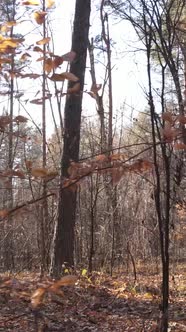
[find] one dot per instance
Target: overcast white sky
(129, 69)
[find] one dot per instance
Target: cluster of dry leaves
(95, 303)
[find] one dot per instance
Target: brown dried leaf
(37, 49)
(49, 65)
(20, 118)
(43, 41)
(169, 134)
(31, 3)
(167, 116)
(25, 56)
(181, 119)
(30, 75)
(40, 17)
(5, 120)
(58, 60)
(50, 3)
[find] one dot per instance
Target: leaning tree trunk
(64, 232)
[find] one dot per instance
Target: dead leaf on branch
(5, 120)
(39, 101)
(29, 75)
(43, 41)
(50, 3)
(167, 116)
(40, 17)
(37, 49)
(170, 133)
(20, 119)
(31, 3)
(25, 56)
(58, 60)
(181, 119)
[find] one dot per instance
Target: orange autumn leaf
(40, 17)
(58, 60)
(48, 65)
(43, 41)
(50, 3)
(31, 3)
(11, 23)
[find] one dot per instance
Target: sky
(129, 68)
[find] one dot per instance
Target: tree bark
(64, 233)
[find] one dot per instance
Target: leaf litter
(95, 303)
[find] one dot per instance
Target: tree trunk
(64, 232)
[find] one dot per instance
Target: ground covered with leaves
(96, 303)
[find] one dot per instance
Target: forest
(92, 204)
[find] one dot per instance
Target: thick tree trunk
(64, 232)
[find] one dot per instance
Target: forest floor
(98, 303)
